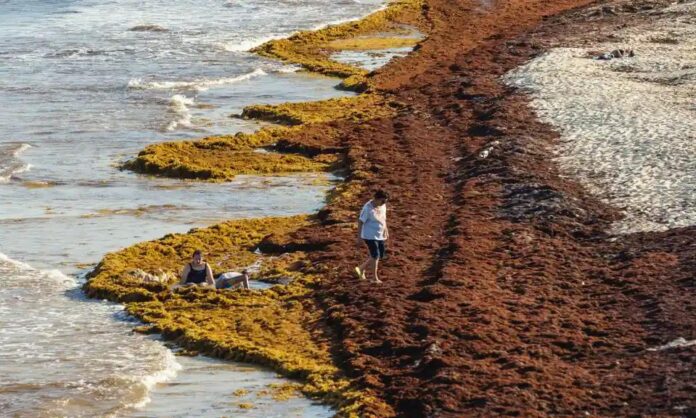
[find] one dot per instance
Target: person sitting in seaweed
(231, 279)
(197, 272)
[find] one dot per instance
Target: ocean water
(84, 85)
(628, 125)
(371, 60)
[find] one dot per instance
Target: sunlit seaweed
(360, 108)
(311, 49)
(277, 327)
(280, 327)
(222, 158)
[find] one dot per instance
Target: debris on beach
(617, 53)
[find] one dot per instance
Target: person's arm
(209, 275)
(184, 274)
(361, 222)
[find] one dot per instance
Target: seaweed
(279, 327)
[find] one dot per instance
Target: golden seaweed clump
(226, 246)
(359, 108)
(312, 49)
(222, 158)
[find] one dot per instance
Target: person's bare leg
(238, 282)
(374, 265)
(245, 282)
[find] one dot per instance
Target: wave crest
(51, 276)
(195, 85)
(10, 164)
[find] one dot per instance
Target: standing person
(197, 272)
(373, 231)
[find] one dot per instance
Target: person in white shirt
(373, 231)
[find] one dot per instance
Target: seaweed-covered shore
(504, 294)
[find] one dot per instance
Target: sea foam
(20, 270)
(195, 85)
(245, 45)
(10, 164)
(179, 106)
(169, 370)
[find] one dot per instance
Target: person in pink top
(373, 232)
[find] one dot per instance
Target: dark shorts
(376, 247)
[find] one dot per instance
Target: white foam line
(21, 149)
(54, 275)
(178, 104)
(250, 44)
(17, 264)
(288, 69)
(21, 169)
(196, 85)
(246, 45)
(170, 371)
(678, 343)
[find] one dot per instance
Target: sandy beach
(542, 251)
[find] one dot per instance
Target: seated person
(232, 279)
(197, 272)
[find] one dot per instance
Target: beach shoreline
(505, 294)
(119, 280)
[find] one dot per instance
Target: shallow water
(63, 355)
(208, 390)
(376, 58)
(628, 126)
(80, 92)
(68, 226)
(370, 60)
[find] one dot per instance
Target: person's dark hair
(381, 194)
(197, 252)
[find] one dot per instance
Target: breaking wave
(179, 106)
(10, 164)
(195, 85)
